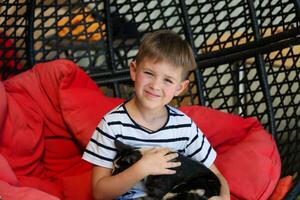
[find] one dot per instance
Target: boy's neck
(149, 119)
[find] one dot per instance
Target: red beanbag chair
(74, 107)
(88, 110)
(9, 192)
(41, 184)
(221, 129)
(6, 173)
(282, 188)
(53, 117)
(51, 113)
(74, 189)
(247, 155)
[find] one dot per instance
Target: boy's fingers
(169, 171)
(149, 150)
(146, 150)
(163, 150)
(171, 156)
(173, 164)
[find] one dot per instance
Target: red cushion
(78, 187)
(35, 133)
(222, 129)
(22, 132)
(82, 109)
(48, 120)
(282, 188)
(247, 155)
(9, 192)
(77, 105)
(63, 158)
(41, 184)
(6, 173)
(62, 104)
(251, 167)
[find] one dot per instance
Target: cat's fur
(192, 180)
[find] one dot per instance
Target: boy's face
(156, 83)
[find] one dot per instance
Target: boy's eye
(169, 81)
(148, 73)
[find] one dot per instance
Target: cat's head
(126, 156)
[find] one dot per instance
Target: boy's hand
(215, 198)
(218, 198)
(157, 161)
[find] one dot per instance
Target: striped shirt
(179, 133)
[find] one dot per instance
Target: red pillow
(78, 187)
(63, 158)
(82, 110)
(41, 184)
(6, 173)
(252, 166)
(9, 192)
(247, 155)
(282, 188)
(220, 128)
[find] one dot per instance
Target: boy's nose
(155, 84)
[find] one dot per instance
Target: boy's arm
(225, 192)
(155, 161)
(106, 186)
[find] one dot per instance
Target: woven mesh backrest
(13, 44)
(247, 51)
(73, 30)
(283, 76)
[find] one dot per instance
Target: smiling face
(156, 83)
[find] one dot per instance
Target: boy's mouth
(151, 94)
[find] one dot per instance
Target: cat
(192, 181)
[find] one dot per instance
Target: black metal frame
(247, 52)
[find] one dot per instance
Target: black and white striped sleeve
(101, 149)
(199, 147)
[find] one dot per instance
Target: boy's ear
(182, 86)
(133, 70)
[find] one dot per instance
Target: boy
(159, 73)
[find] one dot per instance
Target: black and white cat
(192, 181)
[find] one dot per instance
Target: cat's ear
(121, 147)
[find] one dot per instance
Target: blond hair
(168, 46)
